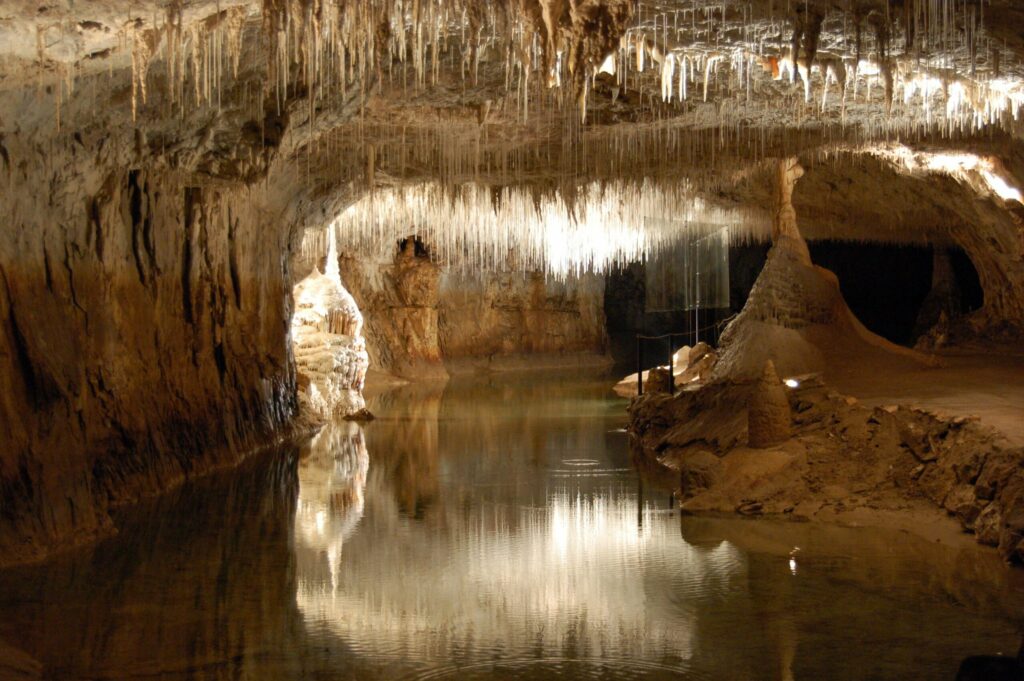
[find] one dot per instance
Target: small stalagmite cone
(768, 415)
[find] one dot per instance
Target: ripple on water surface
(477, 531)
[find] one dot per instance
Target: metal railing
(672, 337)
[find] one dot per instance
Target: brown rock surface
(768, 416)
(423, 321)
(844, 460)
(658, 380)
(399, 299)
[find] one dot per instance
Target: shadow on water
(488, 529)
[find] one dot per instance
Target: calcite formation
(329, 349)
(161, 162)
(425, 321)
(768, 416)
(795, 315)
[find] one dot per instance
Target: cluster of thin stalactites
(931, 65)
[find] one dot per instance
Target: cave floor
(988, 384)
(493, 528)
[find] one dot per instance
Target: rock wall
(145, 297)
(423, 321)
(398, 294)
(869, 197)
(143, 340)
(498, 319)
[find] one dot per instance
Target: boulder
(699, 469)
(658, 381)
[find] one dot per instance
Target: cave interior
(293, 274)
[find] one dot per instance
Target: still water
(493, 529)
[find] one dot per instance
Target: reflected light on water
(577, 571)
(332, 479)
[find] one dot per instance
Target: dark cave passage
(886, 286)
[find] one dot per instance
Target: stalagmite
(330, 353)
(768, 415)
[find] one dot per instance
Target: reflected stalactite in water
(409, 461)
(332, 477)
(564, 576)
(537, 552)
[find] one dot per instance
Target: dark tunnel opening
(886, 286)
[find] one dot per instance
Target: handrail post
(639, 365)
(671, 368)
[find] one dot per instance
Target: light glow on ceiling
(981, 172)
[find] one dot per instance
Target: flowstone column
(785, 233)
(330, 352)
(795, 314)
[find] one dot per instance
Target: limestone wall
(145, 299)
(143, 338)
(423, 321)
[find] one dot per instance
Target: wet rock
(659, 380)
(16, 665)
(918, 442)
(362, 415)
(988, 524)
(768, 415)
(699, 470)
(1011, 534)
(962, 503)
(969, 467)
(701, 365)
(750, 507)
(994, 476)
(697, 352)
(887, 456)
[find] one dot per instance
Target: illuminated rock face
(493, 319)
(143, 340)
(423, 321)
(330, 353)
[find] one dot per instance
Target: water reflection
(505, 534)
(332, 478)
(491, 530)
(197, 584)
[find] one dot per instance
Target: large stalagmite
(330, 352)
(795, 315)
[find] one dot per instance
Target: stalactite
(320, 48)
(562, 232)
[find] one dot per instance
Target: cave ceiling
(333, 98)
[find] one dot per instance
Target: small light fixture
(792, 383)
